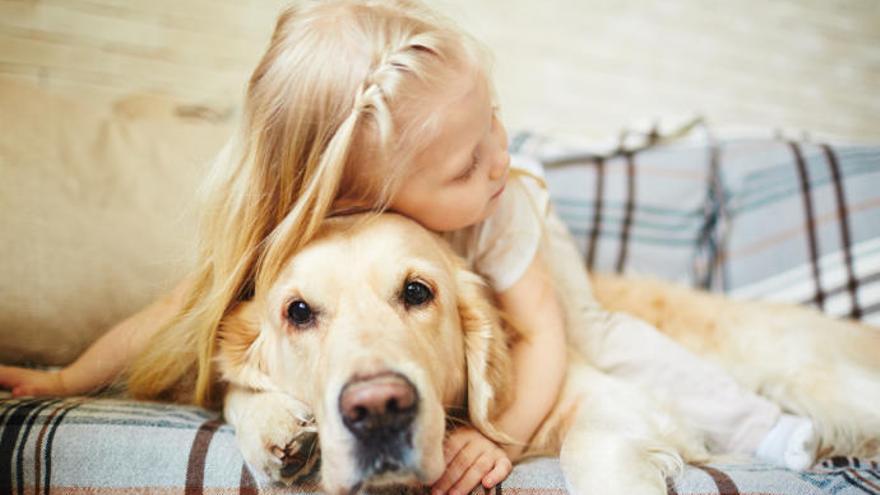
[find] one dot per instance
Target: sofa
(97, 210)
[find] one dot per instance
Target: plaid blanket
(770, 218)
(103, 446)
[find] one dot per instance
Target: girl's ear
(487, 354)
(241, 349)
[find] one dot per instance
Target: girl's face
(459, 177)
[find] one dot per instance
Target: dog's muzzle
(379, 411)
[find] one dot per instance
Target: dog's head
(380, 328)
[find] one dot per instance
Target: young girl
(382, 104)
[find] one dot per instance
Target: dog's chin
(384, 473)
(401, 480)
(392, 480)
(387, 475)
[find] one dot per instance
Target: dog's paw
(278, 438)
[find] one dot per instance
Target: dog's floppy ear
(240, 348)
(487, 354)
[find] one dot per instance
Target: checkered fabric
(768, 218)
(102, 446)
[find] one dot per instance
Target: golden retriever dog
(382, 333)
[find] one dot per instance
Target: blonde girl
(371, 104)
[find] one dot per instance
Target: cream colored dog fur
(452, 354)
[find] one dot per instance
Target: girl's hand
(471, 459)
(27, 382)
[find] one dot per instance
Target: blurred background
(569, 68)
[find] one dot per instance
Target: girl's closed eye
(469, 172)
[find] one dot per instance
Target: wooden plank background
(572, 68)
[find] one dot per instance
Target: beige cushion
(97, 213)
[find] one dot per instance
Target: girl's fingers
(472, 476)
(9, 376)
(31, 390)
(25, 382)
(502, 468)
(24, 391)
(20, 381)
(471, 460)
(456, 467)
(453, 445)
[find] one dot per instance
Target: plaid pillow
(763, 218)
(802, 225)
(638, 206)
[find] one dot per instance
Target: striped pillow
(765, 218)
(801, 224)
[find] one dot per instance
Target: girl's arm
(539, 359)
(539, 363)
(102, 362)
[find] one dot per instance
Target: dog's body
(382, 331)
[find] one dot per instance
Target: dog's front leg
(276, 433)
(622, 440)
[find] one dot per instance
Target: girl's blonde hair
(340, 84)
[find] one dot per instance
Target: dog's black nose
(378, 408)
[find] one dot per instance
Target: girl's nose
(500, 166)
(502, 157)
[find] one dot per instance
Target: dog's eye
(416, 294)
(299, 313)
